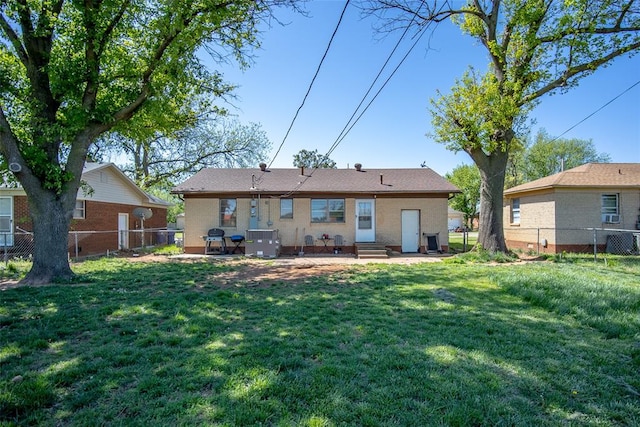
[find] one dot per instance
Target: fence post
(595, 244)
(464, 240)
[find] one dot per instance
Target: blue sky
(392, 133)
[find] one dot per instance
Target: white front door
(365, 220)
(410, 231)
(6, 221)
(123, 231)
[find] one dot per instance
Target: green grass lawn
(456, 242)
(378, 345)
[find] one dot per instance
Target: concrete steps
(371, 251)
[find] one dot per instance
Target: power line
(342, 137)
(312, 81)
(375, 80)
(592, 114)
(348, 126)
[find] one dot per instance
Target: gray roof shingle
(614, 175)
(289, 181)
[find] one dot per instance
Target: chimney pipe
(263, 167)
(358, 167)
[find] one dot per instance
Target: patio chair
(338, 241)
(310, 242)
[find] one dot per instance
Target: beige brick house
(552, 214)
(107, 210)
(396, 208)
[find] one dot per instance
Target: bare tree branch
(111, 26)
(574, 71)
(15, 40)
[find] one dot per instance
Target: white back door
(410, 231)
(365, 220)
(6, 221)
(123, 231)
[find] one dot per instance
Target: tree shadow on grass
(380, 345)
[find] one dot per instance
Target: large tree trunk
(51, 219)
(492, 171)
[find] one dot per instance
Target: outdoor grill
(214, 242)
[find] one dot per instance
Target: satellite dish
(15, 167)
(143, 213)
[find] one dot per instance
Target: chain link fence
(598, 241)
(83, 244)
(16, 245)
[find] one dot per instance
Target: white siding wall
(109, 187)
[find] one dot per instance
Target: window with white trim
(286, 208)
(610, 208)
(327, 210)
(80, 211)
(228, 212)
(515, 211)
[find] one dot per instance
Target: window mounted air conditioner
(611, 218)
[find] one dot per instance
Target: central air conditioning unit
(262, 243)
(611, 218)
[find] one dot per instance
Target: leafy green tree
(535, 47)
(164, 160)
(312, 159)
(547, 155)
(514, 174)
(71, 71)
(467, 179)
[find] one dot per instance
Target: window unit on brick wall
(80, 210)
(610, 208)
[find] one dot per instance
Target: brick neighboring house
(107, 211)
(389, 207)
(594, 195)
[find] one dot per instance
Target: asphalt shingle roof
(588, 175)
(284, 181)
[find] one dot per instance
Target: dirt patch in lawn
(261, 275)
(263, 272)
(259, 272)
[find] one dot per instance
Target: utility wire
(348, 126)
(364, 97)
(343, 136)
(312, 81)
(592, 114)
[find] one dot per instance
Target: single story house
(394, 208)
(107, 214)
(552, 214)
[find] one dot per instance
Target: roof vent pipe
(381, 179)
(263, 167)
(358, 167)
(302, 170)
